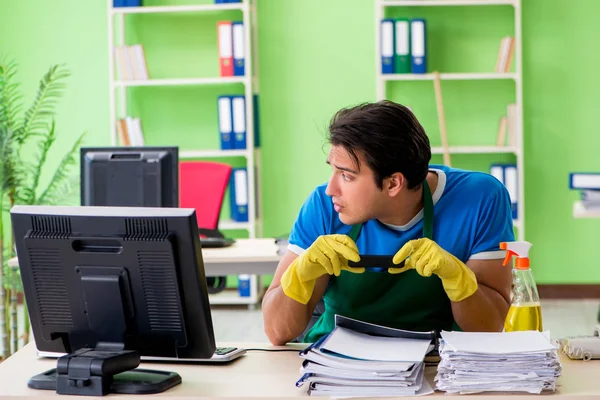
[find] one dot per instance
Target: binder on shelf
(507, 174)
(584, 180)
(238, 110)
(387, 46)
(238, 195)
(497, 171)
(132, 3)
(238, 49)
(418, 39)
(225, 43)
(225, 122)
(402, 46)
(256, 121)
(119, 3)
(244, 285)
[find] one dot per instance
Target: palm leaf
(10, 98)
(44, 106)
(44, 146)
(54, 190)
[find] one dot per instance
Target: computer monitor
(130, 176)
(108, 285)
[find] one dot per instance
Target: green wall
(317, 56)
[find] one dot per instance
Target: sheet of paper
(366, 347)
(497, 342)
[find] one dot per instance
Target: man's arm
(486, 309)
(285, 318)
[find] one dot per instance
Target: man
(442, 226)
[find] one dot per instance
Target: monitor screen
(130, 176)
(103, 278)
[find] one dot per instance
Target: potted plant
(26, 140)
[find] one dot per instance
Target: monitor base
(136, 381)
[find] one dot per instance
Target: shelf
(450, 76)
(476, 150)
(422, 3)
(579, 211)
(228, 224)
(177, 9)
(212, 154)
(182, 82)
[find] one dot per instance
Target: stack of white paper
(349, 363)
(472, 362)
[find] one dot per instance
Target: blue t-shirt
(472, 215)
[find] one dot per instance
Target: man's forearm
(284, 318)
(484, 311)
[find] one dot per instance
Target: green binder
(402, 46)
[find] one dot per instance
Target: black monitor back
(110, 274)
(130, 176)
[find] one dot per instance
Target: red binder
(225, 38)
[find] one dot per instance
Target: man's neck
(406, 208)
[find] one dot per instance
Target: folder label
(238, 49)
(241, 195)
(387, 46)
(239, 121)
(417, 33)
(225, 123)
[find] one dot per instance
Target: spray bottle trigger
(509, 255)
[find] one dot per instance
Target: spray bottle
(525, 313)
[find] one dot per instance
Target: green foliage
(35, 128)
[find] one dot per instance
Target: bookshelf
(124, 91)
(465, 77)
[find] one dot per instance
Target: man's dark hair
(388, 136)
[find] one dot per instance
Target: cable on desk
(295, 350)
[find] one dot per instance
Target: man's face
(354, 193)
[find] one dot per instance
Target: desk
(263, 374)
(245, 256)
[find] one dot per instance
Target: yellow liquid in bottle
(524, 317)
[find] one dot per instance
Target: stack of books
(474, 362)
(362, 359)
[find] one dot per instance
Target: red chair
(202, 186)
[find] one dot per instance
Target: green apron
(405, 301)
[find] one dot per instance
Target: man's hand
(426, 257)
(329, 254)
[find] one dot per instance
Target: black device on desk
(375, 263)
(108, 285)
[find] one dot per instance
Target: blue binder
(584, 180)
(387, 46)
(224, 110)
(238, 110)
(418, 46)
(244, 285)
(256, 122)
(132, 3)
(239, 56)
(507, 175)
(119, 3)
(238, 194)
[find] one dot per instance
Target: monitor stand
(94, 372)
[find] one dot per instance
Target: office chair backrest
(202, 186)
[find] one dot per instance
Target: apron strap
(427, 216)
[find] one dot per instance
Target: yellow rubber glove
(426, 257)
(329, 254)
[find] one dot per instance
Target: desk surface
(261, 374)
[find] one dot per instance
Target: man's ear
(395, 183)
